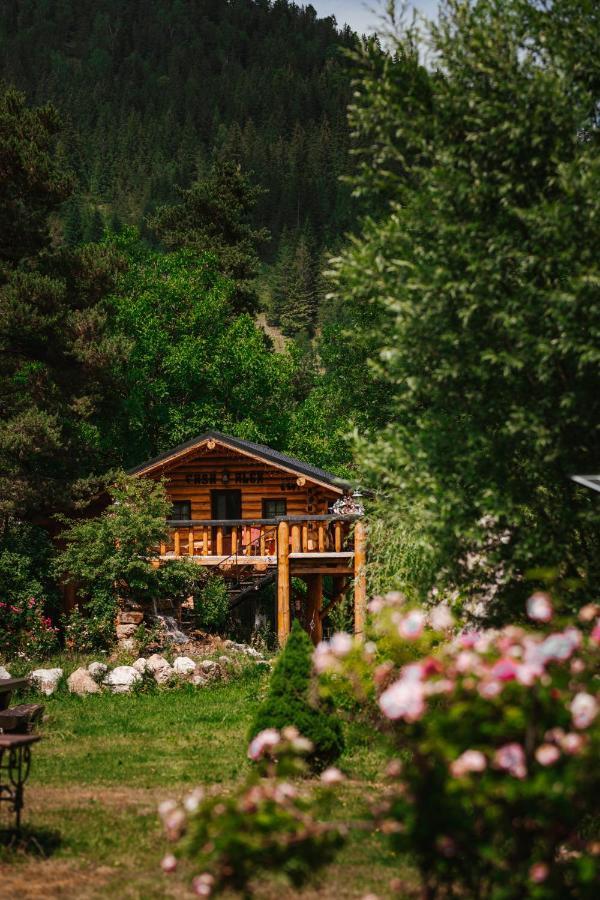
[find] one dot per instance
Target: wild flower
(469, 761)
(539, 607)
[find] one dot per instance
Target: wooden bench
(15, 762)
(20, 719)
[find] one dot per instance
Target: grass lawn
(105, 763)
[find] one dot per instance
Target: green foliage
(233, 837)
(156, 94)
(107, 556)
(473, 293)
(289, 702)
(194, 364)
(56, 358)
(91, 631)
(214, 217)
(211, 604)
(496, 732)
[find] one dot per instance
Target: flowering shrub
(26, 629)
(493, 787)
(266, 825)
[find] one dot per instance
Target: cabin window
(182, 511)
(273, 508)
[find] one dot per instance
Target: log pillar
(360, 577)
(314, 606)
(283, 582)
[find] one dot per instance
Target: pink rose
(546, 754)
(403, 700)
(584, 709)
(412, 625)
(572, 743)
(539, 607)
(504, 670)
(263, 741)
(511, 758)
(538, 872)
(469, 761)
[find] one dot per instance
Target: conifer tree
(215, 215)
(55, 356)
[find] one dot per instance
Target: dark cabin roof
(257, 450)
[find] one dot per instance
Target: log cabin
(257, 515)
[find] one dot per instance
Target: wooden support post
(248, 540)
(262, 541)
(177, 543)
(314, 604)
(305, 537)
(321, 537)
(234, 539)
(360, 577)
(205, 540)
(283, 582)
(296, 539)
(163, 548)
(219, 541)
(191, 542)
(338, 537)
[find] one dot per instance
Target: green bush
(211, 604)
(288, 702)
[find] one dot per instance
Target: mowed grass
(107, 761)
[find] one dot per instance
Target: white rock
(46, 680)
(208, 665)
(199, 680)
(183, 665)
(157, 662)
(97, 670)
(250, 651)
(224, 660)
(160, 668)
(122, 679)
(141, 665)
(4, 673)
(81, 682)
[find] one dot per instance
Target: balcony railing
(258, 537)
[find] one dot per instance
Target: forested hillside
(153, 91)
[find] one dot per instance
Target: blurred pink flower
(504, 670)
(572, 743)
(469, 761)
(546, 754)
(539, 607)
(403, 700)
(511, 758)
(341, 644)
(441, 618)
(265, 740)
(332, 775)
(489, 689)
(412, 625)
(584, 709)
(538, 872)
(203, 884)
(169, 863)
(595, 635)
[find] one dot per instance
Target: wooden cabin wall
(196, 476)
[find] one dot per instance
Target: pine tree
(55, 356)
(214, 216)
(288, 702)
(300, 306)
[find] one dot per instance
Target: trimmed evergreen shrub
(288, 702)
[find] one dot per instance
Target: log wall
(221, 469)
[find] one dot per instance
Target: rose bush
(26, 629)
(267, 824)
(494, 787)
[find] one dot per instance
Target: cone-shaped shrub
(288, 702)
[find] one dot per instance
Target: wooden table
(7, 686)
(15, 762)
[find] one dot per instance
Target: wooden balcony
(256, 541)
(306, 547)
